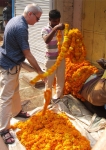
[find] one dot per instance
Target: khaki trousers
(59, 73)
(10, 102)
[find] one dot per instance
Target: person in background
(49, 33)
(13, 52)
(7, 12)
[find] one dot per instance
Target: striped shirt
(51, 47)
(14, 42)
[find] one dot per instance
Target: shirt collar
(24, 20)
(49, 26)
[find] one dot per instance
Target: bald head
(32, 13)
(32, 8)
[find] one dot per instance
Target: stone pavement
(31, 96)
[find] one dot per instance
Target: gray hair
(33, 8)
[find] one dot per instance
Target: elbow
(47, 41)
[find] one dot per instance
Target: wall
(1, 10)
(66, 9)
(94, 29)
(71, 11)
(77, 14)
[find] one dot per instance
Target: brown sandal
(23, 114)
(7, 137)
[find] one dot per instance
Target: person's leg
(8, 82)
(60, 78)
(50, 78)
(16, 100)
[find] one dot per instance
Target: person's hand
(40, 72)
(44, 79)
(60, 26)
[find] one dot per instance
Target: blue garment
(14, 42)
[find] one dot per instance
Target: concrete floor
(31, 96)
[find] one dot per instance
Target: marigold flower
(50, 132)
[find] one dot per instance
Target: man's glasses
(37, 18)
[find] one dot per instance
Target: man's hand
(40, 72)
(60, 26)
(44, 79)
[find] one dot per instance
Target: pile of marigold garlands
(47, 130)
(51, 131)
(78, 69)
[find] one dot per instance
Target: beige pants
(10, 103)
(60, 78)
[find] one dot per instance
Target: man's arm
(48, 38)
(31, 59)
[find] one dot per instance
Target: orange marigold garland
(76, 75)
(47, 96)
(77, 51)
(62, 54)
(50, 132)
(78, 69)
(59, 39)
